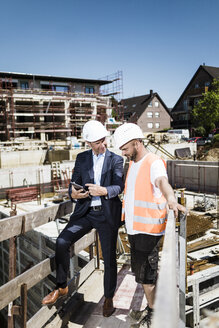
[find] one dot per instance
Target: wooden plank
(203, 275)
(41, 317)
(11, 290)
(201, 244)
(15, 225)
(85, 241)
(45, 313)
(209, 297)
(85, 272)
(167, 312)
(62, 318)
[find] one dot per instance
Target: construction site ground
(203, 247)
(208, 153)
(128, 295)
(203, 252)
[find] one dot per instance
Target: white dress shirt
(97, 167)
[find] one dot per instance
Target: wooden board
(11, 290)
(15, 225)
(202, 244)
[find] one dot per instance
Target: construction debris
(197, 225)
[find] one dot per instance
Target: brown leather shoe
(54, 295)
(108, 308)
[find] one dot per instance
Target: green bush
(200, 131)
(216, 138)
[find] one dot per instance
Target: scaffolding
(48, 114)
(115, 91)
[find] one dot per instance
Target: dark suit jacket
(111, 178)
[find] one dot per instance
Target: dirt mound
(211, 155)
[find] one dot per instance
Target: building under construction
(50, 107)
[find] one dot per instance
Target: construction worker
(100, 172)
(147, 197)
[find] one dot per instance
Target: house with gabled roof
(148, 111)
(199, 84)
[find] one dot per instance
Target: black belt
(96, 208)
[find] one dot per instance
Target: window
(149, 114)
(196, 101)
(150, 104)
(89, 90)
(185, 105)
(60, 88)
(196, 86)
(157, 114)
(156, 104)
(207, 84)
(24, 85)
(134, 105)
(157, 125)
(150, 125)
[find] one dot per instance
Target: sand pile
(211, 155)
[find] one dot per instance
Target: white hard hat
(126, 133)
(93, 131)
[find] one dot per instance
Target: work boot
(108, 308)
(54, 296)
(145, 322)
(138, 315)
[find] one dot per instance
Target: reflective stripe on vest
(149, 211)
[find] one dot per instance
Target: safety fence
(19, 285)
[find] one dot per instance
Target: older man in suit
(101, 173)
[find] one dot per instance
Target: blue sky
(157, 44)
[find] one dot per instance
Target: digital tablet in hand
(77, 186)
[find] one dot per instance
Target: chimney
(151, 93)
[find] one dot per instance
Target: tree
(200, 131)
(206, 112)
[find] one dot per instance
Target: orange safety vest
(149, 211)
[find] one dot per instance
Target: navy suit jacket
(111, 178)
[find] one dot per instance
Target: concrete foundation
(25, 176)
(32, 175)
(198, 176)
(10, 159)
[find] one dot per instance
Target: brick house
(148, 111)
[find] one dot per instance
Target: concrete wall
(32, 175)
(62, 155)
(22, 158)
(25, 176)
(195, 176)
